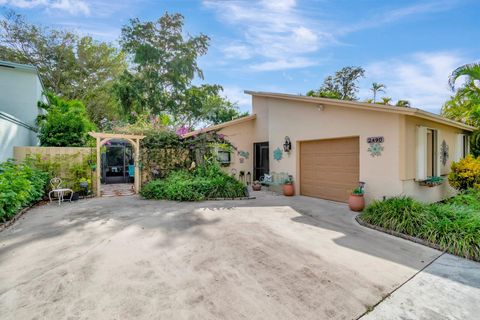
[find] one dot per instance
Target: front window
(223, 157)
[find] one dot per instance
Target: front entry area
(118, 162)
(329, 169)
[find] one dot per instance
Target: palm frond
(471, 70)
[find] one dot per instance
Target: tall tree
(71, 66)
(343, 85)
(164, 65)
(376, 88)
(386, 100)
(403, 103)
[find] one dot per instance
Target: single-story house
(336, 144)
(20, 91)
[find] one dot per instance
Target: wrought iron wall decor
(287, 145)
(444, 153)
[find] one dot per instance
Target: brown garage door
(329, 168)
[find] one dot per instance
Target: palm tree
(377, 87)
(471, 70)
(386, 100)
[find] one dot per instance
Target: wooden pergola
(134, 140)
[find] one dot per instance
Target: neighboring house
(20, 91)
(335, 144)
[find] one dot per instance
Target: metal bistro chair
(57, 190)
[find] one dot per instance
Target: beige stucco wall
(304, 121)
(391, 174)
(241, 136)
(410, 186)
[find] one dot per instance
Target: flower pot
(288, 190)
(356, 202)
(75, 196)
(256, 187)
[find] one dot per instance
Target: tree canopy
(464, 105)
(71, 66)
(343, 85)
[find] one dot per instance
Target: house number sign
(375, 140)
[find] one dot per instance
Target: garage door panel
(333, 160)
(329, 169)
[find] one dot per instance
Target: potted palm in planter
(288, 189)
(356, 201)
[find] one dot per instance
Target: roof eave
(365, 106)
(220, 126)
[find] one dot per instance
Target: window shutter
(459, 147)
(421, 149)
(467, 144)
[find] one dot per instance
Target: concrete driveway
(268, 258)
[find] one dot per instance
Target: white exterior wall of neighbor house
(20, 90)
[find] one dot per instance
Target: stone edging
(223, 199)
(397, 234)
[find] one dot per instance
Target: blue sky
(290, 46)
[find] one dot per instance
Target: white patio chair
(58, 191)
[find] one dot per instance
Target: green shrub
(20, 185)
(465, 173)
(66, 123)
(453, 225)
(205, 182)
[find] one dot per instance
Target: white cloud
(73, 7)
(281, 64)
(237, 51)
(420, 78)
(236, 95)
(277, 34)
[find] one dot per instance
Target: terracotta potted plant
(356, 201)
(256, 186)
(288, 189)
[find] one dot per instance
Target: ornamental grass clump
(400, 214)
(452, 225)
(202, 183)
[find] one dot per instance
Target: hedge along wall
(68, 163)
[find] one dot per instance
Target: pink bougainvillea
(182, 130)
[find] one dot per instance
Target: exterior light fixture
(287, 145)
(320, 107)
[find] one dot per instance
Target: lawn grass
(453, 225)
